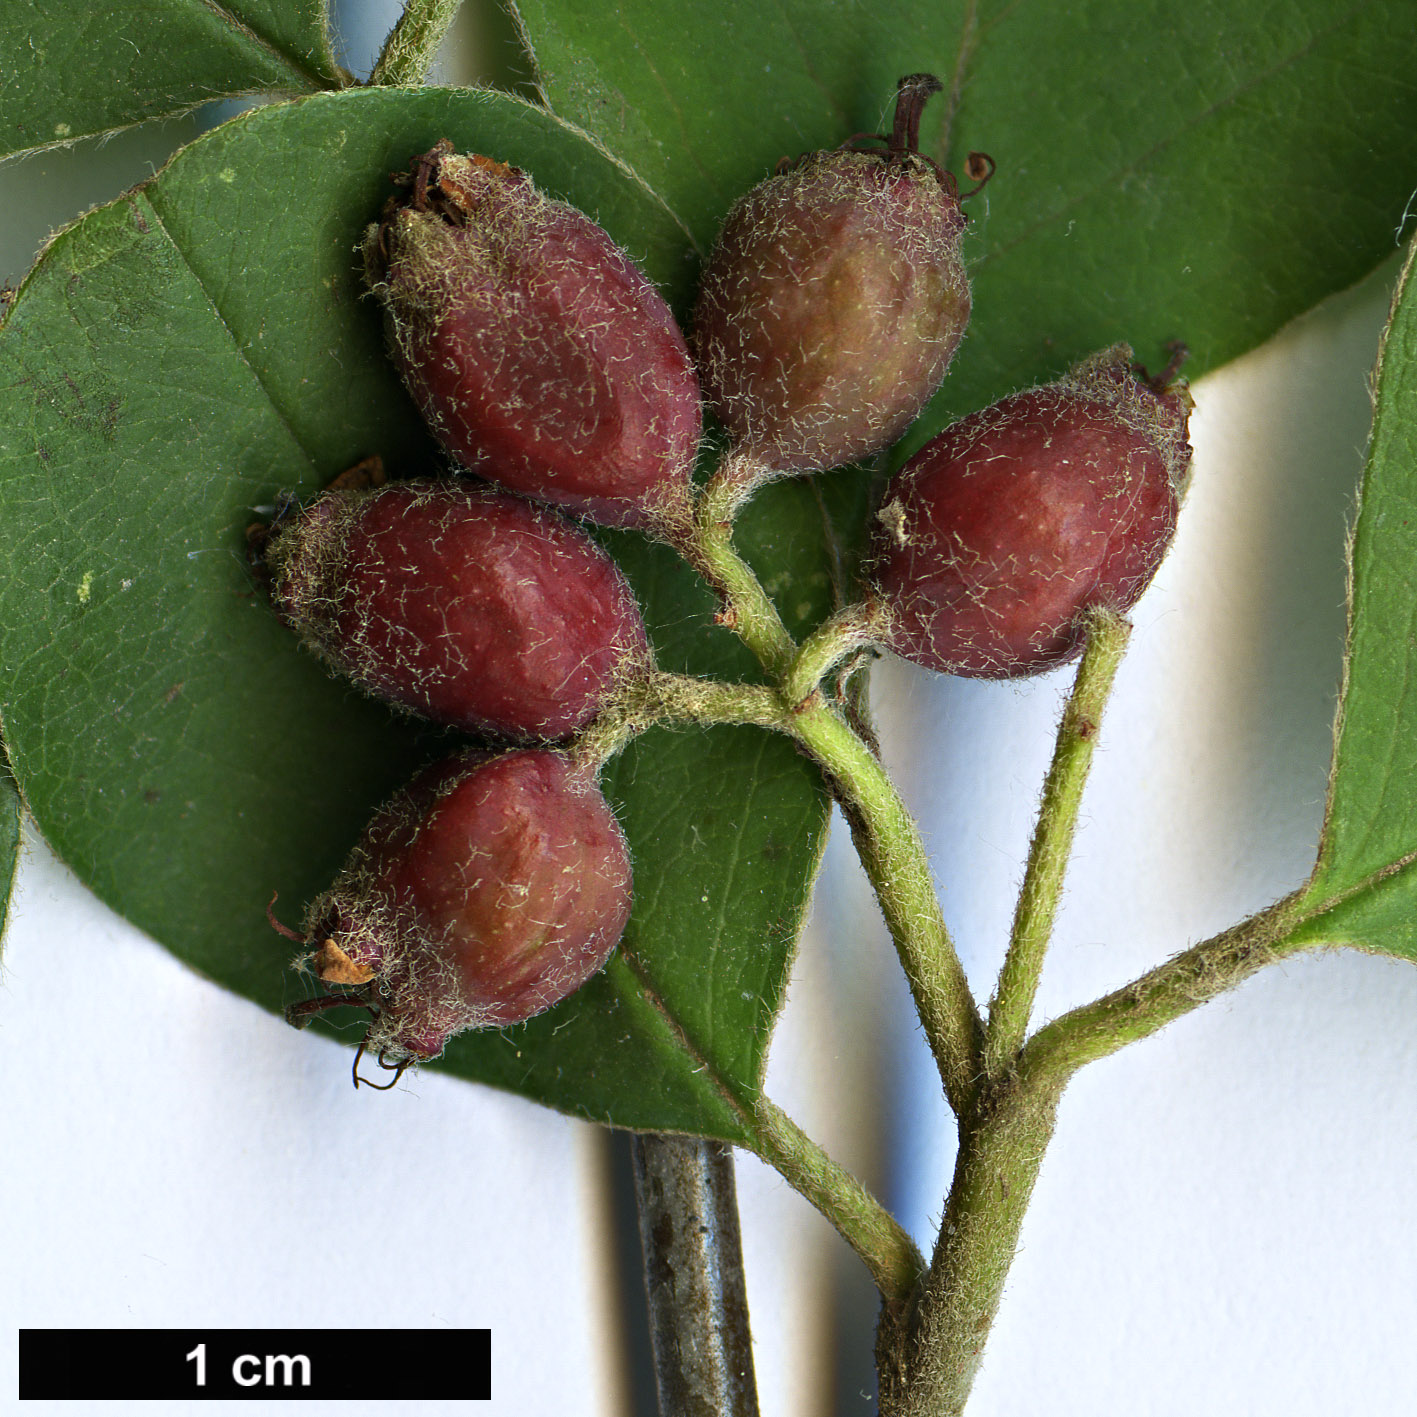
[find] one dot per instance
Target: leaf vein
(1371, 882)
(236, 344)
(667, 90)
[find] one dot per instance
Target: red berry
(536, 349)
(471, 607)
(834, 300)
(487, 891)
(1001, 531)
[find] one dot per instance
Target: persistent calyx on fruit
(998, 533)
(536, 349)
(835, 298)
(487, 891)
(466, 605)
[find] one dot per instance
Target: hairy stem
(886, 837)
(852, 628)
(894, 857)
(1052, 844)
(928, 1368)
(413, 42)
(1184, 982)
(862, 1221)
(674, 698)
(896, 862)
(708, 547)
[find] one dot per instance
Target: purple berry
(487, 891)
(465, 605)
(536, 349)
(998, 534)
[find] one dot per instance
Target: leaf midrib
(147, 195)
(1374, 882)
(680, 1037)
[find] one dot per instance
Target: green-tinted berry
(834, 300)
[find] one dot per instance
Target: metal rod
(693, 1257)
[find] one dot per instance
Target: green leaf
(1364, 891)
(72, 70)
(179, 359)
(1203, 174)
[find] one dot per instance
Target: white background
(1224, 1221)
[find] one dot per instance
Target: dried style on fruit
(487, 891)
(834, 299)
(536, 349)
(469, 606)
(1000, 531)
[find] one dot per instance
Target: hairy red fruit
(487, 891)
(834, 300)
(469, 606)
(536, 349)
(1001, 531)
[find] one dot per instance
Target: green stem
(886, 838)
(708, 547)
(886, 835)
(894, 857)
(658, 697)
(413, 42)
(863, 1222)
(927, 1370)
(850, 629)
(1107, 634)
(1184, 982)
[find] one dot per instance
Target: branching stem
(886, 837)
(1166, 993)
(1004, 1090)
(413, 42)
(928, 1370)
(895, 860)
(853, 627)
(1107, 634)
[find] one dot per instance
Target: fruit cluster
(497, 883)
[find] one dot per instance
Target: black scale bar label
(152, 1365)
